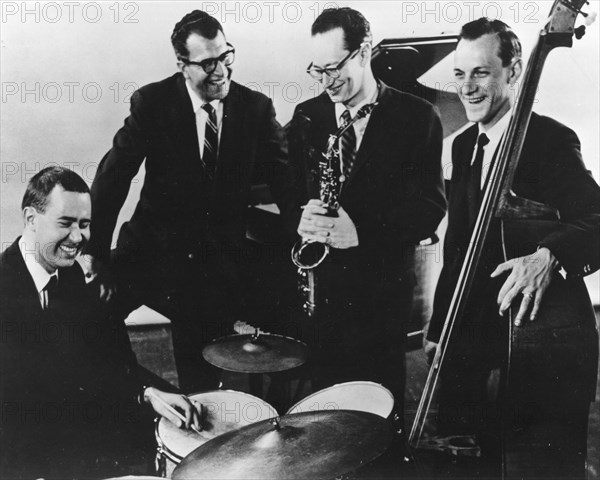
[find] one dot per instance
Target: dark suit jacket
(67, 375)
(550, 171)
(394, 194)
(177, 209)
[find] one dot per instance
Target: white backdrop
(68, 69)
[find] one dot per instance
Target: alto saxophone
(309, 254)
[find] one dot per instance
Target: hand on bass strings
(430, 349)
(529, 276)
(337, 232)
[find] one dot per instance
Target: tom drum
(223, 411)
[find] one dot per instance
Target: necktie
(51, 291)
(474, 184)
(348, 144)
(211, 141)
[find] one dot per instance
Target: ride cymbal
(310, 445)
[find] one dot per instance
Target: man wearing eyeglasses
(204, 139)
(391, 198)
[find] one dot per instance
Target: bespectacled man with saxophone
(386, 172)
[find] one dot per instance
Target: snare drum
(223, 410)
(362, 396)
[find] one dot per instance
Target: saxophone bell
(309, 254)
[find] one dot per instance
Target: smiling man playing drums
(71, 401)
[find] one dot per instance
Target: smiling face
(211, 86)
(328, 49)
(486, 86)
(62, 230)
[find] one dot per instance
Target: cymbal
(264, 353)
(309, 445)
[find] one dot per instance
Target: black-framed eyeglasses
(209, 65)
(332, 72)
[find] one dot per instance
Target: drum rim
(353, 382)
(161, 448)
(175, 457)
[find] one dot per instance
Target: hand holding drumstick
(164, 404)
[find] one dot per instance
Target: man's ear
(365, 54)
(30, 218)
(516, 70)
(181, 67)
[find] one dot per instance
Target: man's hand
(97, 271)
(338, 232)
(190, 409)
(430, 349)
(530, 276)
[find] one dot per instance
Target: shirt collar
(370, 98)
(197, 102)
(38, 273)
(497, 130)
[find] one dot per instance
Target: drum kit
(326, 435)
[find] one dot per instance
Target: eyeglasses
(332, 72)
(209, 65)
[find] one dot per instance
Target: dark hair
(356, 27)
(510, 46)
(43, 182)
(194, 22)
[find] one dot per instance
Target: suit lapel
(465, 146)
(181, 121)
(233, 133)
(461, 163)
(24, 286)
(330, 126)
(377, 128)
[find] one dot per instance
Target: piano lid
(401, 62)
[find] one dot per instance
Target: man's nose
(76, 234)
(326, 80)
(220, 69)
(468, 88)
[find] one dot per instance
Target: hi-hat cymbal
(263, 353)
(309, 445)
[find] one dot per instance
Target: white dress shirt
(360, 125)
(494, 134)
(40, 276)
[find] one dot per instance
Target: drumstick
(176, 413)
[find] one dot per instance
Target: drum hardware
(456, 445)
(316, 445)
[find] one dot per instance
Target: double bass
(559, 330)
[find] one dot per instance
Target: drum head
(362, 396)
(223, 411)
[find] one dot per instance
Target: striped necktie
(348, 144)
(211, 141)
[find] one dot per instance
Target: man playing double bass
(547, 397)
